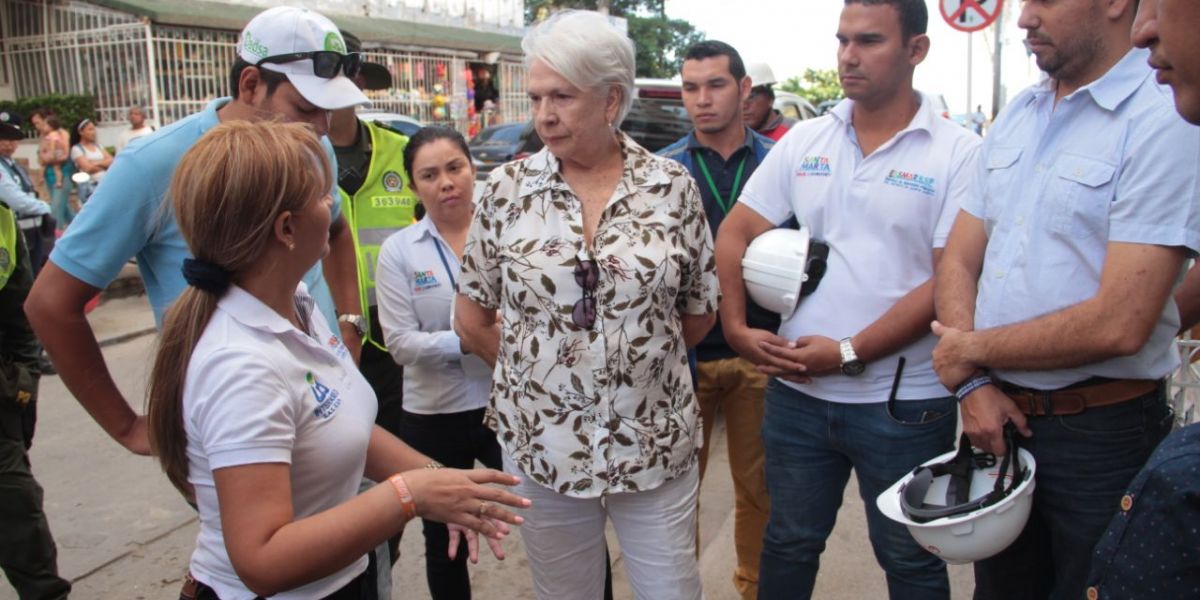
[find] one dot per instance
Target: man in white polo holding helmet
(879, 180)
(291, 65)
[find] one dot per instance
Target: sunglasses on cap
(326, 63)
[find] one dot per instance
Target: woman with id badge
(445, 388)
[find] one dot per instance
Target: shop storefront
(173, 56)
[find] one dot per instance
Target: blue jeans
(1084, 463)
(811, 446)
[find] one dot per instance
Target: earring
(291, 246)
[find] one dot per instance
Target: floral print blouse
(589, 412)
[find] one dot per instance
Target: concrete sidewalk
(124, 533)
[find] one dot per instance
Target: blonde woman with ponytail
(255, 408)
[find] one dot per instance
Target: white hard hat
(781, 266)
(964, 506)
(761, 74)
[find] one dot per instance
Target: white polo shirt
(414, 284)
(882, 216)
(260, 391)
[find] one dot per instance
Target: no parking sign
(970, 15)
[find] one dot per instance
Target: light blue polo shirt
(127, 216)
(1112, 162)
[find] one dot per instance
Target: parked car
(396, 121)
(826, 106)
(656, 119)
(499, 144)
(792, 106)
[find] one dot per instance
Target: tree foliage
(659, 40)
(816, 85)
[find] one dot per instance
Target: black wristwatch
(851, 364)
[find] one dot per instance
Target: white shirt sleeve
(22, 204)
(240, 408)
(963, 171)
(768, 192)
(398, 318)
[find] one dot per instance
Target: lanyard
(445, 263)
(737, 181)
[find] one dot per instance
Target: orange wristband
(407, 504)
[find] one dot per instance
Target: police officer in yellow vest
(27, 552)
(378, 202)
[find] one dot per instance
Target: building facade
(173, 56)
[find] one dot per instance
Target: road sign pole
(970, 69)
(997, 54)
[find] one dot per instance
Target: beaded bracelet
(407, 504)
(965, 388)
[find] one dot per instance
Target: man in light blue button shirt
(1054, 292)
(274, 77)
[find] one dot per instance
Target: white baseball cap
(289, 30)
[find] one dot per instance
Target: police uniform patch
(392, 181)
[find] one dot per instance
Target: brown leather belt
(1072, 401)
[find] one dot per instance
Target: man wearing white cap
(291, 65)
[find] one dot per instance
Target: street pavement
(123, 533)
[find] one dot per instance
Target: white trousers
(656, 530)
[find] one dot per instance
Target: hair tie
(206, 276)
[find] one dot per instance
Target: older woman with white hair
(595, 258)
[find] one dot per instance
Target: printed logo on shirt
(424, 280)
(910, 181)
(328, 400)
(392, 181)
(338, 347)
(815, 166)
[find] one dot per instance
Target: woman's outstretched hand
(463, 498)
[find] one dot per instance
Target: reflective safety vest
(383, 205)
(8, 244)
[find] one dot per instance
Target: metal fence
(77, 48)
(71, 47)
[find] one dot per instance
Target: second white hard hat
(761, 74)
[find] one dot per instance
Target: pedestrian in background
(1054, 294)
(57, 167)
(138, 127)
(89, 157)
(759, 106)
(595, 258)
(255, 407)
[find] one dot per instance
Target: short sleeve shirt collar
(1111, 89)
(545, 173)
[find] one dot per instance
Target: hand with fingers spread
(458, 532)
(459, 497)
(803, 359)
(984, 413)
